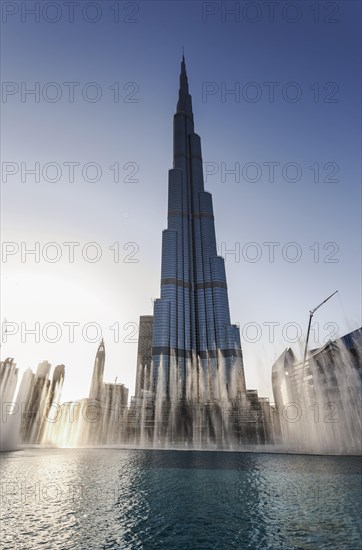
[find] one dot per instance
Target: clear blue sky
(320, 129)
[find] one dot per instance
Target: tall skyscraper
(97, 385)
(196, 351)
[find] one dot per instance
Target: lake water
(125, 499)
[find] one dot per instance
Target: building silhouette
(196, 351)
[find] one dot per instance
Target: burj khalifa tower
(195, 352)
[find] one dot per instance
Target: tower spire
(184, 104)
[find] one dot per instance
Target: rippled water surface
(107, 498)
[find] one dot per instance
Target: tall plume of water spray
(37, 395)
(320, 399)
(10, 421)
(29, 416)
(325, 391)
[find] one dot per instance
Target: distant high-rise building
(319, 399)
(105, 407)
(196, 351)
(97, 385)
(322, 373)
(144, 355)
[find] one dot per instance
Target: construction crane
(311, 313)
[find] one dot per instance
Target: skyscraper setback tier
(144, 355)
(196, 351)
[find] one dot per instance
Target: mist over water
(316, 410)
